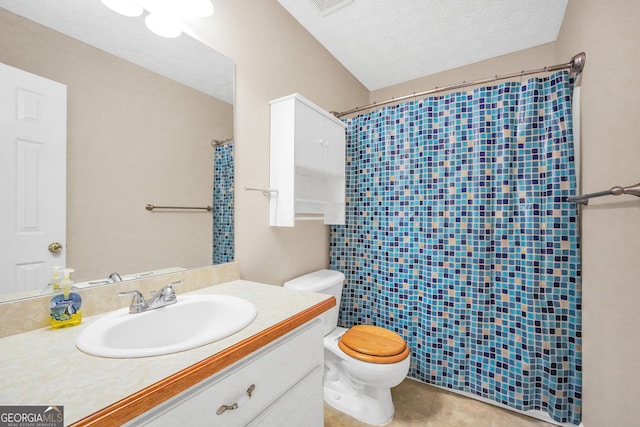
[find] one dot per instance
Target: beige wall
(274, 57)
(134, 137)
(609, 33)
(530, 59)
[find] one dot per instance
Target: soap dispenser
(65, 307)
(54, 283)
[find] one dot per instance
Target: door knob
(55, 248)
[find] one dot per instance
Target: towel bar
(152, 207)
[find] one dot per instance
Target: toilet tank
(328, 282)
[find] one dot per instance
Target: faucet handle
(177, 282)
(138, 304)
(168, 293)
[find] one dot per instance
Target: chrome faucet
(165, 296)
(112, 278)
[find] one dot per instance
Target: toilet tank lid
(316, 281)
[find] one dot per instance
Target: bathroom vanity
(269, 373)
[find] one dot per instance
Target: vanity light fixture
(164, 16)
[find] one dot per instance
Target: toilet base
(357, 388)
(373, 407)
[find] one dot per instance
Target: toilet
(361, 363)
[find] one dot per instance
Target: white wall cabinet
(285, 379)
(307, 163)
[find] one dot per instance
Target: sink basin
(193, 321)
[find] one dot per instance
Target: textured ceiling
(385, 42)
(182, 59)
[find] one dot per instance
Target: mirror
(134, 136)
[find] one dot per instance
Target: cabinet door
(309, 143)
(303, 405)
(333, 144)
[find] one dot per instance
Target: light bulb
(163, 25)
(164, 15)
(124, 7)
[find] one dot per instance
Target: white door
(33, 137)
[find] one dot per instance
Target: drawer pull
(241, 401)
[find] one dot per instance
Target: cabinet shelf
(309, 217)
(310, 206)
(317, 173)
(319, 202)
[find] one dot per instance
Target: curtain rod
(576, 65)
(216, 142)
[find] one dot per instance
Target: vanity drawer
(272, 371)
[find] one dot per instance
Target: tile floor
(421, 405)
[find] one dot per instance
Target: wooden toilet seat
(373, 344)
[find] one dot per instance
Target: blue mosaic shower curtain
(459, 237)
(223, 176)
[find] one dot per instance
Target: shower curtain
(223, 176)
(458, 236)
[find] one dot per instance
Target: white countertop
(44, 367)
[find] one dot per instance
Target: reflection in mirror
(133, 137)
(223, 206)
